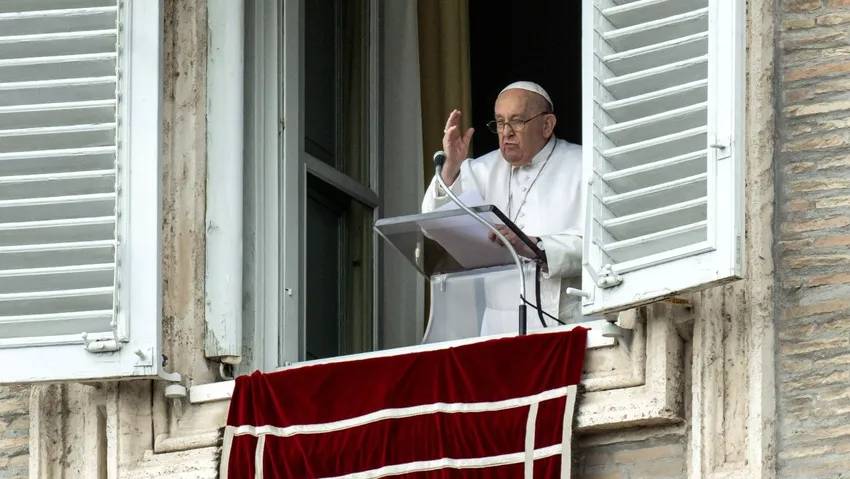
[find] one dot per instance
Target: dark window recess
(538, 41)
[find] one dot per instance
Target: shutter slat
(7, 40)
(54, 323)
(57, 207)
(60, 43)
(656, 196)
(658, 78)
(60, 82)
(41, 255)
(658, 242)
(64, 184)
(57, 114)
(65, 230)
(57, 200)
(56, 294)
(642, 11)
(7, 6)
(674, 144)
(656, 31)
(57, 279)
(65, 129)
(664, 123)
(8, 63)
(677, 49)
(58, 154)
(47, 302)
(66, 14)
(648, 222)
(657, 101)
(62, 20)
(660, 171)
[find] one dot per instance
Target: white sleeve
(436, 197)
(563, 254)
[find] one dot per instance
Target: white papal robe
(545, 201)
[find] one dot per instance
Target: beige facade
(748, 380)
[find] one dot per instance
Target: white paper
(467, 240)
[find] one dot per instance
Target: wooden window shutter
(79, 186)
(663, 153)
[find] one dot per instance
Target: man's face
(519, 147)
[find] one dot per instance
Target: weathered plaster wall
(813, 229)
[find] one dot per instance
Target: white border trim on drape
(398, 413)
(530, 425)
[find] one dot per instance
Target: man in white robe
(535, 179)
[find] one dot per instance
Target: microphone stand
(439, 160)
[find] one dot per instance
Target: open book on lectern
(450, 240)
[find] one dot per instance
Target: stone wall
(813, 233)
(14, 431)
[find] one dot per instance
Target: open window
(659, 119)
(79, 189)
(663, 149)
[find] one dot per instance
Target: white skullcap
(532, 87)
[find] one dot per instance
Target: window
(340, 199)
(79, 219)
(312, 180)
(660, 124)
(663, 155)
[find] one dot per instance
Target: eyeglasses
(497, 126)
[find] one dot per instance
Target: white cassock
(543, 199)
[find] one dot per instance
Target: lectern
(474, 279)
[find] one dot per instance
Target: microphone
(439, 160)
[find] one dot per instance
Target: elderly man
(535, 179)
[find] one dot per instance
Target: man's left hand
(521, 248)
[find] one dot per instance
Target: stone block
(819, 308)
(817, 108)
(802, 186)
(833, 18)
(801, 262)
(816, 224)
(806, 72)
(823, 142)
(801, 5)
(797, 23)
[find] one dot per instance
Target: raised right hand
(456, 146)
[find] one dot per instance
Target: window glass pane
(336, 84)
(339, 273)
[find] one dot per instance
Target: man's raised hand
(456, 145)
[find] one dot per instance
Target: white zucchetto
(532, 87)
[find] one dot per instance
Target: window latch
(608, 278)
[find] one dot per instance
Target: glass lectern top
(449, 241)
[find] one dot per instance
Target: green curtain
(445, 82)
(444, 70)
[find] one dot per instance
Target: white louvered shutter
(79, 123)
(663, 153)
